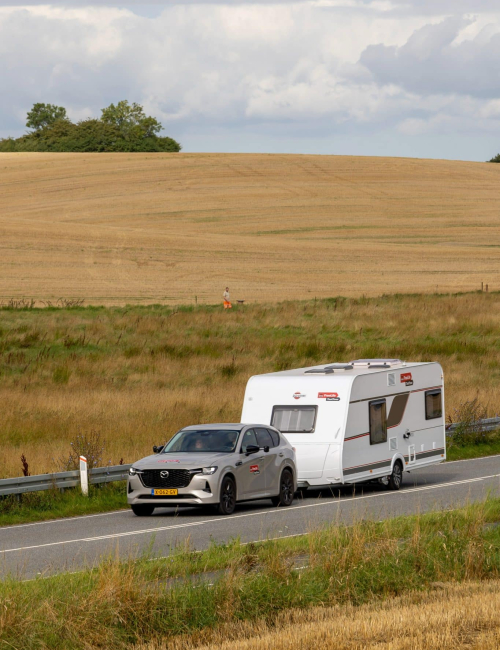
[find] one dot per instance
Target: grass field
(117, 228)
(136, 374)
(413, 582)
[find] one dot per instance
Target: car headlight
(204, 470)
(133, 471)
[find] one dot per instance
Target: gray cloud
(430, 63)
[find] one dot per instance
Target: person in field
(227, 299)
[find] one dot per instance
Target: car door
(251, 476)
(272, 460)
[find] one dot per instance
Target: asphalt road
(49, 547)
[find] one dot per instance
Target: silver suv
(217, 464)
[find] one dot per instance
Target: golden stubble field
(118, 228)
(448, 617)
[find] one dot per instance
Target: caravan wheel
(396, 478)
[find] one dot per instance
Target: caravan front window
(294, 419)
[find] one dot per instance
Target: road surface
(45, 548)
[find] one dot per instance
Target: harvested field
(137, 374)
(449, 617)
(119, 228)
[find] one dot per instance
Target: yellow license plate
(164, 493)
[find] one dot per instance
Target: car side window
(274, 437)
(264, 438)
(249, 438)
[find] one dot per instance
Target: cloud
(430, 62)
(317, 71)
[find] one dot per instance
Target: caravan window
(378, 421)
(433, 405)
(294, 419)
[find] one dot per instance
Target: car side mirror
(156, 450)
(252, 449)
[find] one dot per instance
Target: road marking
(65, 519)
(336, 502)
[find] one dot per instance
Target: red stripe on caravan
(361, 435)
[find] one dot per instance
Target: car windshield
(203, 440)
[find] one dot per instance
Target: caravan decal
(361, 435)
(330, 397)
(298, 395)
(254, 469)
(406, 379)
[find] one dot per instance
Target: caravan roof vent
(329, 370)
(376, 363)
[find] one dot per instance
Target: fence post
(84, 476)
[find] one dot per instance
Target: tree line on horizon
(121, 127)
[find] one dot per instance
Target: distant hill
(117, 228)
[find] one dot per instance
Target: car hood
(181, 460)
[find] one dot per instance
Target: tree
(131, 120)
(496, 158)
(44, 115)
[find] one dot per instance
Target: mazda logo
(164, 474)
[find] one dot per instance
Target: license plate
(164, 493)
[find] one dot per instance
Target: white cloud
(325, 68)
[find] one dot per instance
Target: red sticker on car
(405, 376)
(254, 469)
(330, 397)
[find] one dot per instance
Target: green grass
(119, 604)
(474, 451)
(53, 504)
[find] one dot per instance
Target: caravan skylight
(329, 370)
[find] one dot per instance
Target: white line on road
(253, 514)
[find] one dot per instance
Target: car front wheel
(285, 496)
(142, 509)
(227, 503)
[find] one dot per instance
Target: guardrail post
(84, 476)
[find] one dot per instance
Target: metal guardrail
(488, 424)
(99, 475)
(61, 480)
(23, 484)
(109, 474)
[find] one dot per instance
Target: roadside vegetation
(54, 504)
(135, 375)
(235, 593)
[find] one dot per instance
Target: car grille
(177, 478)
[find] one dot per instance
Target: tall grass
(137, 374)
(116, 605)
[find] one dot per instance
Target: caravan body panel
(352, 424)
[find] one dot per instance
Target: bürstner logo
(298, 395)
(164, 474)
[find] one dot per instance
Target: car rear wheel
(227, 503)
(142, 509)
(285, 496)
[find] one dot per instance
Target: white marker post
(84, 476)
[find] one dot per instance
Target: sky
(418, 78)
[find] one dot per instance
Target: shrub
(469, 430)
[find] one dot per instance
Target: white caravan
(353, 422)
